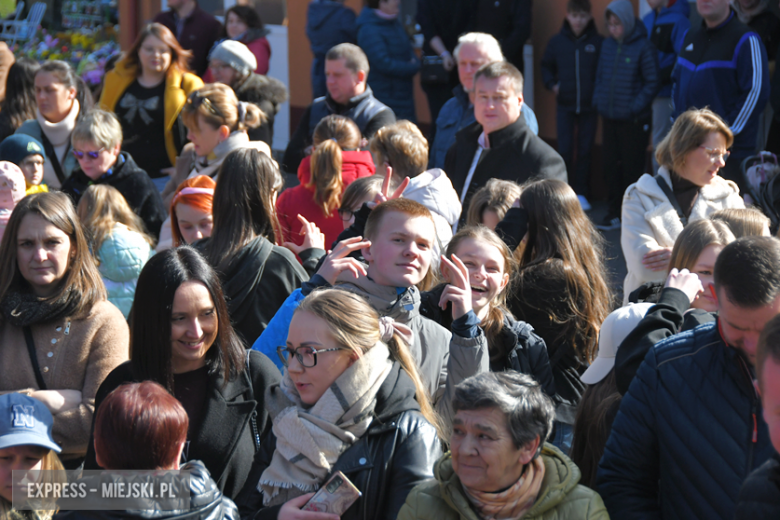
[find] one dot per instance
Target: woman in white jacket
(687, 188)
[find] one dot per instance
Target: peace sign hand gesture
(339, 260)
(458, 290)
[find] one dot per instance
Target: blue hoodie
(328, 23)
(666, 30)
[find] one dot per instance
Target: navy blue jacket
(571, 62)
(725, 69)
(328, 23)
(392, 62)
(627, 78)
(688, 433)
(666, 29)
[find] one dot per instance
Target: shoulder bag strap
(33, 357)
(55, 162)
(253, 417)
(672, 199)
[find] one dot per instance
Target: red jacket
(300, 199)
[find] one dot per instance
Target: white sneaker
(584, 203)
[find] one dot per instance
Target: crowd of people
(429, 315)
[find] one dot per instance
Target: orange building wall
(548, 16)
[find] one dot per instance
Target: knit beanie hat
(12, 188)
(16, 148)
(237, 55)
(625, 13)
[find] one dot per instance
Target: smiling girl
(489, 264)
(183, 339)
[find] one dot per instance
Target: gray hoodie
(625, 13)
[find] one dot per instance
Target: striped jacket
(724, 68)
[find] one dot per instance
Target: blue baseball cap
(25, 421)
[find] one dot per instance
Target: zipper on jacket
(577, 73)
(753, 413)
(612, 82)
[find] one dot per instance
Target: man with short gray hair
(346, 71)
(472, 52)
(499, 144)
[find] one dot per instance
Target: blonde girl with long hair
(120, 243)
(334, 164)
(350, 400)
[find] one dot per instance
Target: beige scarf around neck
(310, 440)
(514, 502)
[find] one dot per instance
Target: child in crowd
(398, 248)
(627, 81)
(400, 150)
(119, 243)
(744, 222)
(27, 153)
(666, 24)
(26, 443)
(601, 400)
(569, 71)
(490, 203)
(97, 144)
(334, 164)
(686, 299)
(191, 210)
(487, 267)
(11, 191)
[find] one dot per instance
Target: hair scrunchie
(386, 329)
(242, 112)
(192, 190)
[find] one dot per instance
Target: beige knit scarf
(310, 440)
(514, 502)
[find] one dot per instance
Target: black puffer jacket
(206, 503)
(517, 347)
(759, 496)
(268, 94)
(396, 453)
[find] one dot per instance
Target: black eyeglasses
(91, 155)
(306, 356)
(195, 100)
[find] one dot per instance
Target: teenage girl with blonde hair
(120, 243)
(359, 398)
(334, 164)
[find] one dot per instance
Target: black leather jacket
(396, 453)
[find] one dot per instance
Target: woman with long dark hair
(61, 97)
(147, 90)
(182, 338)
(561, 287)
(59, 335)
(19, 104)
(257, 275)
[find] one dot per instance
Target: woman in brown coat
(59, 336)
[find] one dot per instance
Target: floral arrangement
(87, 50)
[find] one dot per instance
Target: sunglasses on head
(196, 101)
(91, 155)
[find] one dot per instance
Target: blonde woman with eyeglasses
(686, 188)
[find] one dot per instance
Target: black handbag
(432, 71)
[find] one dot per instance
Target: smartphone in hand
(335, 496)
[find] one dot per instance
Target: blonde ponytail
(253, 118)
(326, 176)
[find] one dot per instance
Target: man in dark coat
(500, 144)
(196, 30)
(759, 498)
(689, 430)
(346, 69)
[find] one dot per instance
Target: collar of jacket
(560, 478)
(508, 134)
(719, 189)
(732, 16)
(338, 108)
(123, 167)
(386, 300)
(460, 94)
(589, 30)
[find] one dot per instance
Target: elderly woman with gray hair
(233, 64)
(499, 466)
